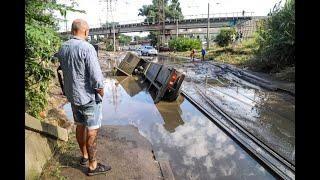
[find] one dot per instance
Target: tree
(139, 38)
(224, 38)
(172, 11)
(184, 44)
(123, 39)
(96, 40)
(41, 42)
(276, 38)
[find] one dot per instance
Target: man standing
(83, 87)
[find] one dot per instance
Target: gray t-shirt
(81, 71)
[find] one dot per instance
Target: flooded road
(268, 115)
(195, 147)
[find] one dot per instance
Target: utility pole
(161, 18)
(177, 19)
(208, 29)
(65, 18)
(114, 38)
(164, 19)
(177, 28)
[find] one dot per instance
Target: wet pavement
(195, 147)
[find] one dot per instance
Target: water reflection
(170, 111)
(194, 146)
(200, 150)
(268, 115)
(129, 84)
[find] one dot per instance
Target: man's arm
(93, 67)
(60, 79)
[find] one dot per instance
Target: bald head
(80, 28)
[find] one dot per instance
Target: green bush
(184, 44)
(124, 40)
(224, 38)
(109, 47)
(41, 42)
(276, 38)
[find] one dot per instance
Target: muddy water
(269, 115)
(195, 147)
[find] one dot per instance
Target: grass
(238, 54)
(64, 157)
(287, 74)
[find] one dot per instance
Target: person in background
(193, 52)
(203, 53)
(237, 36)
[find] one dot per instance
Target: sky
(127, 10)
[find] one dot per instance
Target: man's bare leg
(81, 138)
(92, 147)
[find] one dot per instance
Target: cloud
(208, 163)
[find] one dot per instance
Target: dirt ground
(128, 153)
(54, 114)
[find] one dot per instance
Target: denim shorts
(89, 115)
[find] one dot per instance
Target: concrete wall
(41, 139)
(38, 150)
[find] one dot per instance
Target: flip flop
(100, 169)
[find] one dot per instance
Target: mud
(269, 115)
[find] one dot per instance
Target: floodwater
(195, 147)
(269, 115)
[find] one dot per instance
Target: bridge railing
(220, 15)
(142, 22)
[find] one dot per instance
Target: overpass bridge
(190, 22)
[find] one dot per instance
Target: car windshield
(149, 47)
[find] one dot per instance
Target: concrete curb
(36, 125)
(166, 170)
